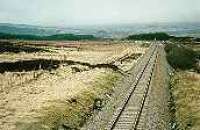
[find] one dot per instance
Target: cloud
(70, 12)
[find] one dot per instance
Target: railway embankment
(184, 85)
(155, 111)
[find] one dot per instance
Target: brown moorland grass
(60, 98)
(186, 93)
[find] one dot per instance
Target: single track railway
(128, 116)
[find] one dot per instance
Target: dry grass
(60, 98)
(186, 91)
(92, 53)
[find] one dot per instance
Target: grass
(185, 86)
(181, 57)
(72, 113)
(52, 37)
(58, 98)
(10, 47)
(186, 91)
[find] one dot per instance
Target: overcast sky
(75, 12)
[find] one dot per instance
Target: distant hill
(24, 29)
(51, 37)
(105, 31)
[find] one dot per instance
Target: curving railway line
(128, 115)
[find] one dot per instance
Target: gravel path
(156, 113)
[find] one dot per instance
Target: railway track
(128, 115)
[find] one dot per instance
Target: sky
(92, 12)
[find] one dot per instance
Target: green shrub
(150, 36)
(52, 37)
(159, 36)
(180, 57)
(197, 39)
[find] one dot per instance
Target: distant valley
(104, 31)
